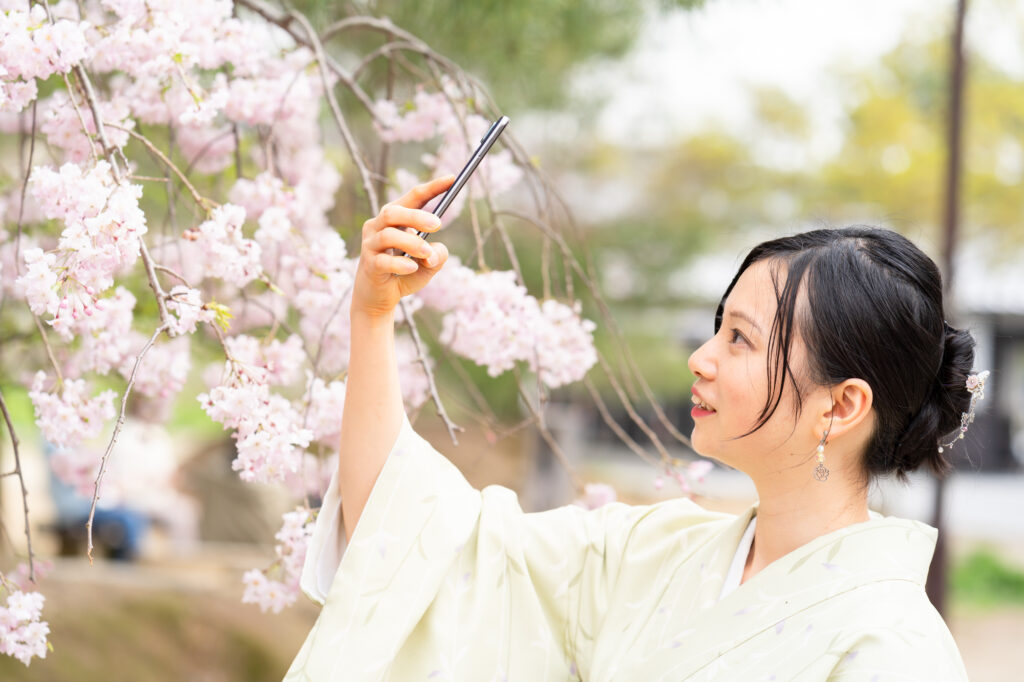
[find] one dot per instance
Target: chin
(710, 448)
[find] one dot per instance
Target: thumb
(435, 262)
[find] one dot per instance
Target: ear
(851, 404)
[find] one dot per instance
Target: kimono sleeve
(435, 566)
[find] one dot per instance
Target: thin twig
(607, 317)
(421, 356)
(49, 349)
(203, 203)
(24, 490)
(346, 133)
(371, 196)
(549, 437)
(285, 22)
(24, 188)
(113, 440)
(172, 273)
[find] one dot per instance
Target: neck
(791, 513)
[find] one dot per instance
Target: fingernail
(436, 222)
(432, 259)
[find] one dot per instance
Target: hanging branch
(113, 440)
(21, 481)
(371, 195)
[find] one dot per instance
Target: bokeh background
(681, 133)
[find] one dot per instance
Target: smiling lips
(700, 408)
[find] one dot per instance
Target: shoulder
(892, 630)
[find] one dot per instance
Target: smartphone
(492, 134)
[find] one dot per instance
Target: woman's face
(732, 380)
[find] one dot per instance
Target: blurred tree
(890, 165)
(523, 50)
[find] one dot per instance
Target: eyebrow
(743, 316)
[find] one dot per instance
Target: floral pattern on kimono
(444, 582)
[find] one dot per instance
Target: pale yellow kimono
(445, 582)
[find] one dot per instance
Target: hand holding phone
(489, 138)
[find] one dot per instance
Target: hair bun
(941, 412)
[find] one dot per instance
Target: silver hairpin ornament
(976, 387)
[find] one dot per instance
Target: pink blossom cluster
(77, 468)
(278, 364)
(31, 47)
(268, 430)
(292, 543)
(419, 121)
(22, 631)
(326, 402)
(71, 417)
(685, 475)
(62, 125)
(564, 343)
(595, 496)
(164, 368)
(151, 38)
(106, 335)
(207, 80)
(492, 320)
(441, 114)
(226, 253)
(102, 227)
(318, 277)
(187, 310)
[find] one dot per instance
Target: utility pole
(937, 582)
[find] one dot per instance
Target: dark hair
(874, 312)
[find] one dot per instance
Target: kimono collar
(880, 549)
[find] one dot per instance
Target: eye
(735, 336)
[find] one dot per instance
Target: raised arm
(373, 409)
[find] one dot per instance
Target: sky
(692, 68)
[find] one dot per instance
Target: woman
(831, 364)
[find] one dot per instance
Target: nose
(702, 362)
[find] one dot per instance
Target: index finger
(418, 196)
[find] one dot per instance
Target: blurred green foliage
(523, 50)
(983, 578)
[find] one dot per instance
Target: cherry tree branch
(49, 349)
(610, 323)
(24, 189)
(21, 480)
(202, 202)
(371, 196)
(113, 439)
(285, 21)
(346, 133)
(421, 357)
(549, 438)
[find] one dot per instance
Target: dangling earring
(821, 471)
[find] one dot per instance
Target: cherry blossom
(281, 362)
(292, 543)
(63, 127)
(233, 97)
(326, 402)
(188, 310)
(72, 416)
(31, 48)
(596, 495)
(493, 321)
(226, 253)
(22, 631)
(268, 428)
